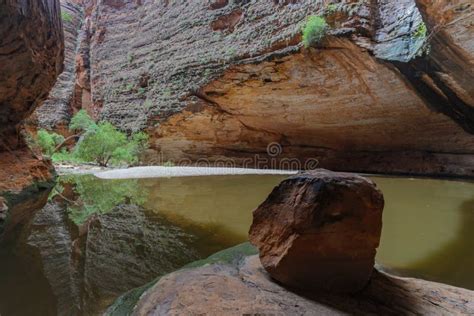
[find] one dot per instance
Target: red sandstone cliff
(223, 79)
(31, 56)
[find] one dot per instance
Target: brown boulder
(319, 230)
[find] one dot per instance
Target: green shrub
(81, 121)
(331, 8)
(102, 145)
(47, 141)
(105, 144)
(421, 31)
(314, 30)
(136, 144)
(66, 17)
(65, 156)
(99, 142)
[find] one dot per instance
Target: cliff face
(223, 79)
(31, 55)
(56, 111)
(451, 62)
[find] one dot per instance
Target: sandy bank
(165, 172)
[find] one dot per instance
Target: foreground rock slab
(242, 287)
(319, 230)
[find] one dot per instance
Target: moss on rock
(125, 304)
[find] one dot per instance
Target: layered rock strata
(223, 79)
(31, 56)
(56, 111)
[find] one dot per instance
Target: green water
(427, 233)
(427, 224)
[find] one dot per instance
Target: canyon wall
(222, 80)
(31, 56)
(451, 29)
(56, 111)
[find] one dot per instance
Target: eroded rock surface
(30, 60)
(320, 230)
(31, 56)
(242, 287)
(452, 38)
(223, 79)
(57, 110)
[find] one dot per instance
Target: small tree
(103, 143)
(81, 121)
(314, 30)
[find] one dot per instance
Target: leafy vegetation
(82, 122)
(99, 142)
(107, 144)
(66, 17)
(421, 31)
(47, 141)
(331, 8)
(314, 30)
(104, 144)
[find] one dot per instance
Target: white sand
(166, 172)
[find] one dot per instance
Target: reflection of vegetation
(97, 196)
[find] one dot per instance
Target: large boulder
(319, 230)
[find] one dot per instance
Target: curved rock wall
(31, 56)
(223, 79)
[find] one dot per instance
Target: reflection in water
(98, 197)
(96, 239)
(215, 203)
